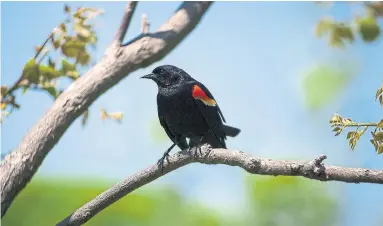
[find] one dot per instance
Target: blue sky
(252, 56)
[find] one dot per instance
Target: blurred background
(272, 77)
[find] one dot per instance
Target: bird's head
(168, 75)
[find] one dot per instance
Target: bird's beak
(149, 76)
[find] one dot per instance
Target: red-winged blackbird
(186, 109)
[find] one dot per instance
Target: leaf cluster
(62, 55)
(365, 26)
(340, 124)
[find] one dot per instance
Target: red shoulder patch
(199, 94)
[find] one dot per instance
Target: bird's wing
(209, 109)
(163, 123)
(168, 132)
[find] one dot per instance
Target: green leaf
(85, 117)
(322, 84)
(73, 48)
(352, 143)
(49, 72)
(344, 32)
(323, 27)
(31, 71)
(335, 39)
(51, 63)
(83, 58)
(378, 136)
(380, 124)
(67, 9)
(380, 149)
(25, 88)
(82, 30)
(52, 91)
(373, 142)
(73, 75)
(379, 94)
(66, 66)
(350, 135)
(4, 90)
(368, 28)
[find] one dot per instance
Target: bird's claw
(161, 161)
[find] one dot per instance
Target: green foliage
(322, 84)
(273, 201)
(289, 201)
(31, 71)
(339, 123)
(379, 95)
(116, 116)
(46, 202)
(369, 29)
(72, 39)
(366, 26)
(338, 33)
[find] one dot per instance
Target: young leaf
(83, 58)
(350, 135)
(379, 94)
(52, 91)
(380, 124)
(85, 117)
(368, 28)
(49, 72)
(73, 48)
(378, 136)
(67, 9)
(31, 71)
(66, 66)
(323, 27)
(4, 90)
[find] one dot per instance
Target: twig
(313, 169)
(355, 124)
(129, 11)
(17, 83)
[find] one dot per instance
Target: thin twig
(17, 83)
(312, 169)
(129, 11)
(356, 124)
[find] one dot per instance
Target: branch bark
(129, 11)
(18, 167)
(314, 169)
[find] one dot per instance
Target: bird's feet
(195, 149)
(161, 161)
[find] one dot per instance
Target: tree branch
(18, 167)
(129, 11)
(312, 169)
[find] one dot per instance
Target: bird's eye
(174, 79)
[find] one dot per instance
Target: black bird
(186, 109)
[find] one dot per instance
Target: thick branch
(313, 169)
(129, 11)
(20, 165)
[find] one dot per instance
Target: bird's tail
(209, 138)
(231, 131)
